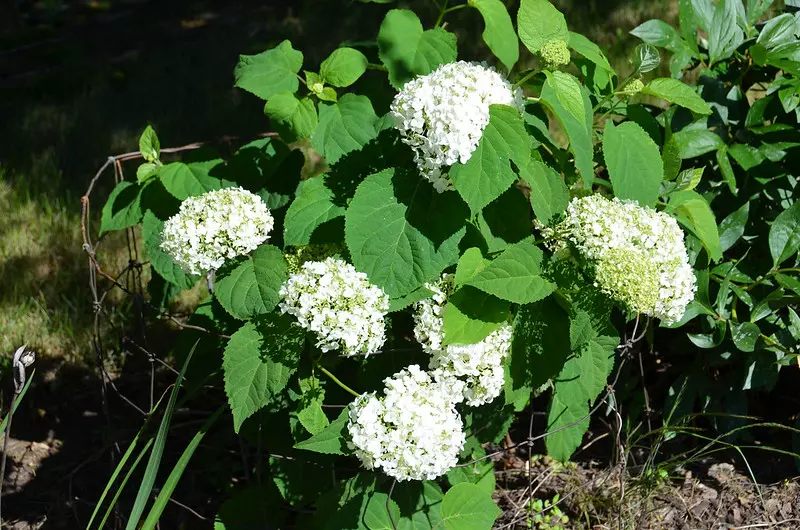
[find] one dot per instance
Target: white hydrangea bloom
(339, 304)
(638, 254)
(479, 365)
(214, 227)
(414, 431)
(442, 115)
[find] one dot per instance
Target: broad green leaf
(467, 507)
(645, 58)
(498, 34)
(540, 344)
(731, 229)
(745, 335)
(471, 315)
(397, 304)
(122, 209)
(633, 161)
(784, 234)
(658, 33)
(538, 23)
(480, 473)
(162, 263)
(677, 92)
(579, 131)
(506, 220)
(309, 411)
(590, 50)
(756, 9)
(270, 72)
(291, 479)
(295, 119)
(568, 91)
(725, 35)
(487, 174)
(376, 515)
(515, 275)
(191, 180)
(777, 31)
(344, 126)
(258, 361)
(581, 380)
(695, 213)
(314, 205)
(331, 440)
(471, 263)
(688, 26)
(407, 51)
(746, 156)
(549, 194)
(248, 286)
(343, 67)
(390, 236)
(145, 171)
(697, 142)
(149, 146)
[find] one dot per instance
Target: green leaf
(331, 440)
(633, 161)
(746, 156)
(506, 220)
(579, 131)
(467, 507)
(389, 232)
(149, 146)
(344, 126)
(695, 213)
(696, 142)
(258, 361)
(162, 263)
(191, 180)
(270, 72)
(294, 119)
(726, 169)
(487, 174)
(397, 304)
(658, 33)
(577, 386)
(499, 34)
(745, 335)
(538, 23)
(471, 263)
(248, 286)
(784, 234)
(471, 315)
(122, 209)
(515, 275)
(725, 34)
(590, 50)
(154, 461)
(686, 21)
(540, 344)
(314, 205)
(756, 10)
(407, 51)
(480, 473)
(568, 91)
(779, 30)
(677, 92)
(343, 67)
(146, 171)
(731, 229)
(645, 59)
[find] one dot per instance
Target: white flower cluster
(214, 227)
(414, 431)
(339, 304)
(479, 365)
(442, 115)
(638, 254)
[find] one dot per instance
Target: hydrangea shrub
(386, 319)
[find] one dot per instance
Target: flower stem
(446, 10)
(336, 380)
(525, 78)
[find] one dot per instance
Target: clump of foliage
(447, 217)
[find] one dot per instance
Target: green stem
(446, 10)
(336, 380)
(525, 78)
(776, 345)
(602, 182)
(611, 94)
(379, 67)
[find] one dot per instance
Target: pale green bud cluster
(633, 87)
(554, 54)
(314, 252)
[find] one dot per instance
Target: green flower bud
(633, 87)
(554, 54)
(314, 252)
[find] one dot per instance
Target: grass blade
(16, 405)
(154, 462)
(124, 482)
(177, 472)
